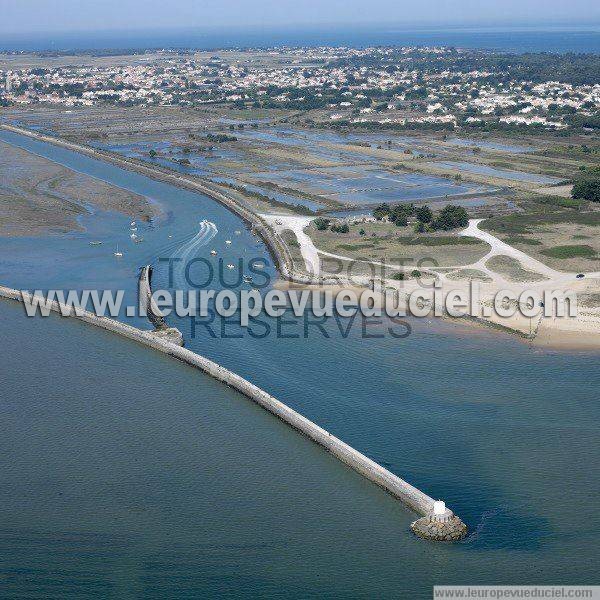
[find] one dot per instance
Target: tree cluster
(450, 217)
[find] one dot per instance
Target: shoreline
(41, 197)
(409, 495)
(552, 338)
(276, 247)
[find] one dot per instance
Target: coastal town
(411, 88)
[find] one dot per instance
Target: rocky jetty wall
(397, 487)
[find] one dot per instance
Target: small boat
(228, 242)
(133, 229)
(230, 266)
(247, 279)
(133, 223)
(259, 266)
(95, 243)
(138, 240)
(133, 236)
(170, 236)
(213, 252)
(117, 253)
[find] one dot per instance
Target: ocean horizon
(562, 40)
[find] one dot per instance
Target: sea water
(114, 485)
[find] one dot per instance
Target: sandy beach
(579, 333)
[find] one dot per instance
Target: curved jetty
(409, 495)
(431, 510)
(149, 307)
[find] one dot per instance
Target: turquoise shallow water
(152, 501)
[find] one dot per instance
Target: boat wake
(189, 249)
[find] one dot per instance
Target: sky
(27, 16)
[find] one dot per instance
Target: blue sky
(24, 16)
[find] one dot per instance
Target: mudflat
(39, 196)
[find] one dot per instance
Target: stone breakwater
(450, 530)
(397, 487)
(154, 314)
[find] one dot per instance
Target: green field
(575, 251)
(549, 232)
(384, 242)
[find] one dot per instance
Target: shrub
(221, 137)
(399, 214)
(451, 217)
(562, 202)
(587, 188)
(583, 251)
(381, 210)
(424, 214)
(399, 276)
(321, 224)
(343, 228)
